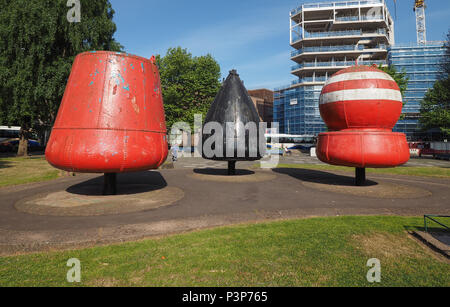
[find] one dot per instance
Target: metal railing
(310, 80)
(431, 217)
(337, 4)
(357, 18)
(414, 45)
(336, 64)
(299, 36)
(327, 49)
(347, 18)
(336, 48)
(281, 88)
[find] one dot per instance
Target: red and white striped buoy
(360, 97)
(360, 106)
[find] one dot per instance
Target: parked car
(12, 145)
(274, 151)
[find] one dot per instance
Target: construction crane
(419, 8)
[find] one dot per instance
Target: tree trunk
(22, 151)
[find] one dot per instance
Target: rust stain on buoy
(84, 137)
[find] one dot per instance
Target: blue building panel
(297, 110)
(422, 66)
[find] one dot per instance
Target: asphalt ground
(207, 201)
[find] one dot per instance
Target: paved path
(297, 158)
(205, 204)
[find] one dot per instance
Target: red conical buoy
(111, 118)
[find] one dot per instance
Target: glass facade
(422, 65)
(297, 110)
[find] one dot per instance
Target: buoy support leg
(110, 184)
(231, 167)
(360, 176)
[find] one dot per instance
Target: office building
(327, 37)
(422, 66)
(263, 100)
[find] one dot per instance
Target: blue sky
(249, 35)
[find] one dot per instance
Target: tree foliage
(37, 48)
(435, 107)
(189, 84)
(400, 77)
(445, 66)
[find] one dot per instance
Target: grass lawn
(15, 171)
(429, 171)
(310, 252)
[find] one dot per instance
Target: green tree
(435, 107)
(445, 66)
(189, 84)
(400, 77)
(37, 48)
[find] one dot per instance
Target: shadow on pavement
(221, 172)
(320, 177)
(127, 184)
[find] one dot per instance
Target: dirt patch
(380, 190)
(104, 282)
(138, 277)
(393, 246)
(321, 281)
(64, 203)
(385, 245)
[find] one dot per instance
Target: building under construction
(330, 36)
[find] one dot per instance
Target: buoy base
(110, 184)
(369, 149)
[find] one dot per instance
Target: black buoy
(234, 106)
(110, 184)
(360, 176)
